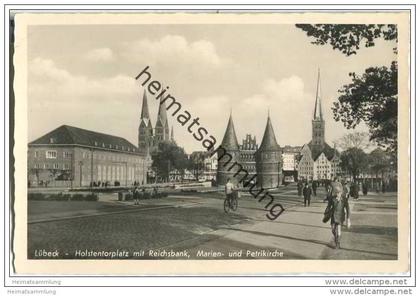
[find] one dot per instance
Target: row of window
(53, 154)
(115, 172)
(110, 157)
(56, 166)
(118, 147)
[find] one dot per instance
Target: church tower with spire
(145, 135)
(172, 134)
(318, 123)
(227, 155)
(162, 125)
(269, 159)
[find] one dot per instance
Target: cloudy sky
(84, 76)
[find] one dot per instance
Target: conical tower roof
(269, 141)
(144, 108)
(230, 141)
(318, 107)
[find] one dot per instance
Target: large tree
(168, 157)
(380, 162)
(372, 96)
(349, 38)
(354, 161)
(354, 140)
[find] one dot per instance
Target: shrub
(77, 197)
(91, 197)
(128, 196)
(163, 194)
(160, 195)
(66, 196)
(37, 196)
(59, 197)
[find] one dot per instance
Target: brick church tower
(162, 126)
(149, 137)
(145, 136)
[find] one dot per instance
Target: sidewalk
(300, 234)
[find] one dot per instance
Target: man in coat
(364, 187)
(307, 195)
(354, 190)
(299, 188)
(314, 187)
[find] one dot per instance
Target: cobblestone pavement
(196, 227)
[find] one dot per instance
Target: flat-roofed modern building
(73, 157)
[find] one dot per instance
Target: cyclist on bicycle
(229, 190)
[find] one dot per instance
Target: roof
(327, 150)
(71, 135)
(291, 149)
(230, 141)
(269, 142)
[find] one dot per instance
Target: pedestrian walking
(307, 195)
(364, 187)
(143, 193)
(354, 190)
(338, 210)
(299, 188)
(136, 195)
(314, 187)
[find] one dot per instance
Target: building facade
(318, 161)
(290, 156)
(247, 151)
(73, 157)
(204, 165)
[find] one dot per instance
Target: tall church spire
(162, 111)
(145, 135)
(145, 108)
(318, 123)
(318, 106)
(172, 134)
(162, 125)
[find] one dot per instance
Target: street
(196, 227)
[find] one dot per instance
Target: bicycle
(230, 203)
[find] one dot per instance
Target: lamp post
(91, 167)
(80, 171)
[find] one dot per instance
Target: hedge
(63, 197)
